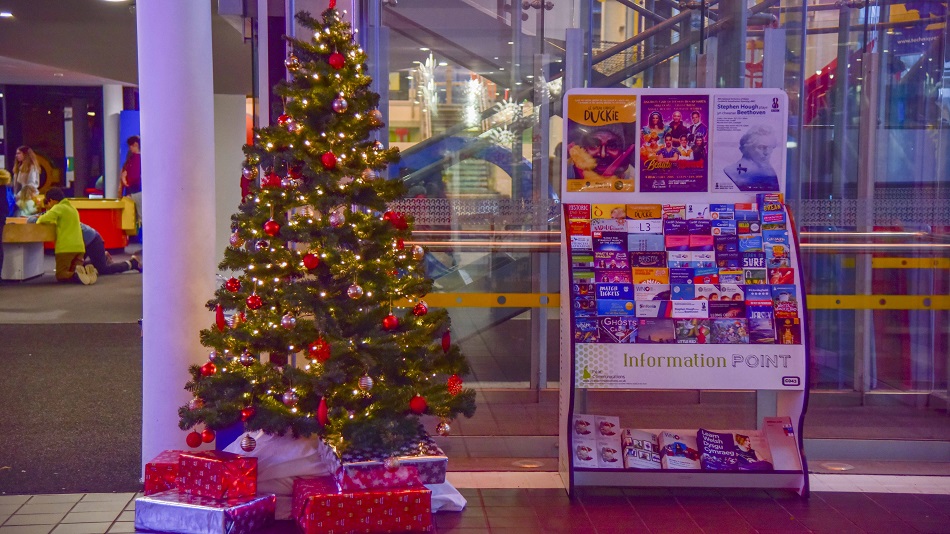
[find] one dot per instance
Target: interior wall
(229, 137)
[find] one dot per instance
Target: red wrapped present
(321, 506)
(161, 474)
(420, 452)
(171, 511)
(380, 476)
(217, 474)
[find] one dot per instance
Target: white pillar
(263, 85)
(177, 123)
(111, 107)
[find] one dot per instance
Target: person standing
(26, 170)
(69, 249)
(5, 179)
(131, 179)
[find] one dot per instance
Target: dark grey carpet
(71, 401)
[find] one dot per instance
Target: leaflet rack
(606, 346)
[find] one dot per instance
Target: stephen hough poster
(749, 143)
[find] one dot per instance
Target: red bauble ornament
(323, 412)
(420, 309)
(332, 4)
(329, 160)
(400, 244)
(310, 261)
(219, 318)
(418, 405)
(247, 413)
(270, 181)
(336, 60)
(400, 222)
(446, 341)
(208, 369)
(207, 435)
(283, 119)
(454, 385)
(388, 216)
(233, 285)
(319, 350)
(271, 227)
(193, 439)
(390, 322)
(254, 302)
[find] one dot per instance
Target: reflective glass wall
(474, 103)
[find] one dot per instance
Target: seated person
(69, 244)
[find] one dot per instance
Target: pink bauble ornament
(443, 429)
(336, 219)
(246, 359)
(290, 398)
(287, 322)
(236, 240)
(365, 383)
(340, 105)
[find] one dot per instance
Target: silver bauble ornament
(248, 443)
(287, 182)
(366, 383)
(262, 245)
(196, 404)
(376, 116)
(340, 104)
(288, 321)
(336, 220)
(250, 172)
(290, 398)
(246, 359)
(369, 175)
(443, 429)
(418, 252)
(212, 355)
(354, 291)
(391, 463)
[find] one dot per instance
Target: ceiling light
(93, 113)
(424, 49)
(443, 64)
(58, 74)
(6, 15)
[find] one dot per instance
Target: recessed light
(92, 113)
(6, 15)
(58, 74)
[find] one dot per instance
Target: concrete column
(177, 123)
(263, 71)
(111, 106)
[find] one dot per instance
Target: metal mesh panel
(480, 212)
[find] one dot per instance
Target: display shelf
(610, 320)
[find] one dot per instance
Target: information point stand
(680, 271)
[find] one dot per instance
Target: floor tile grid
(92, 513)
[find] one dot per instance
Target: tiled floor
(526, 503)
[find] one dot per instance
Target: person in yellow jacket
(70, 249)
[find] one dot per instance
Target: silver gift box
(170, 511)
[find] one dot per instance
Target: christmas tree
(320, 264)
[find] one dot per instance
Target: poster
(748, 149)
(674, 140)
(601, 141)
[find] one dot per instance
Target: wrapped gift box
(380, 477)
(217, 474)
(321, 506)
(161, 474)
(171, 511)
(422, 453)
